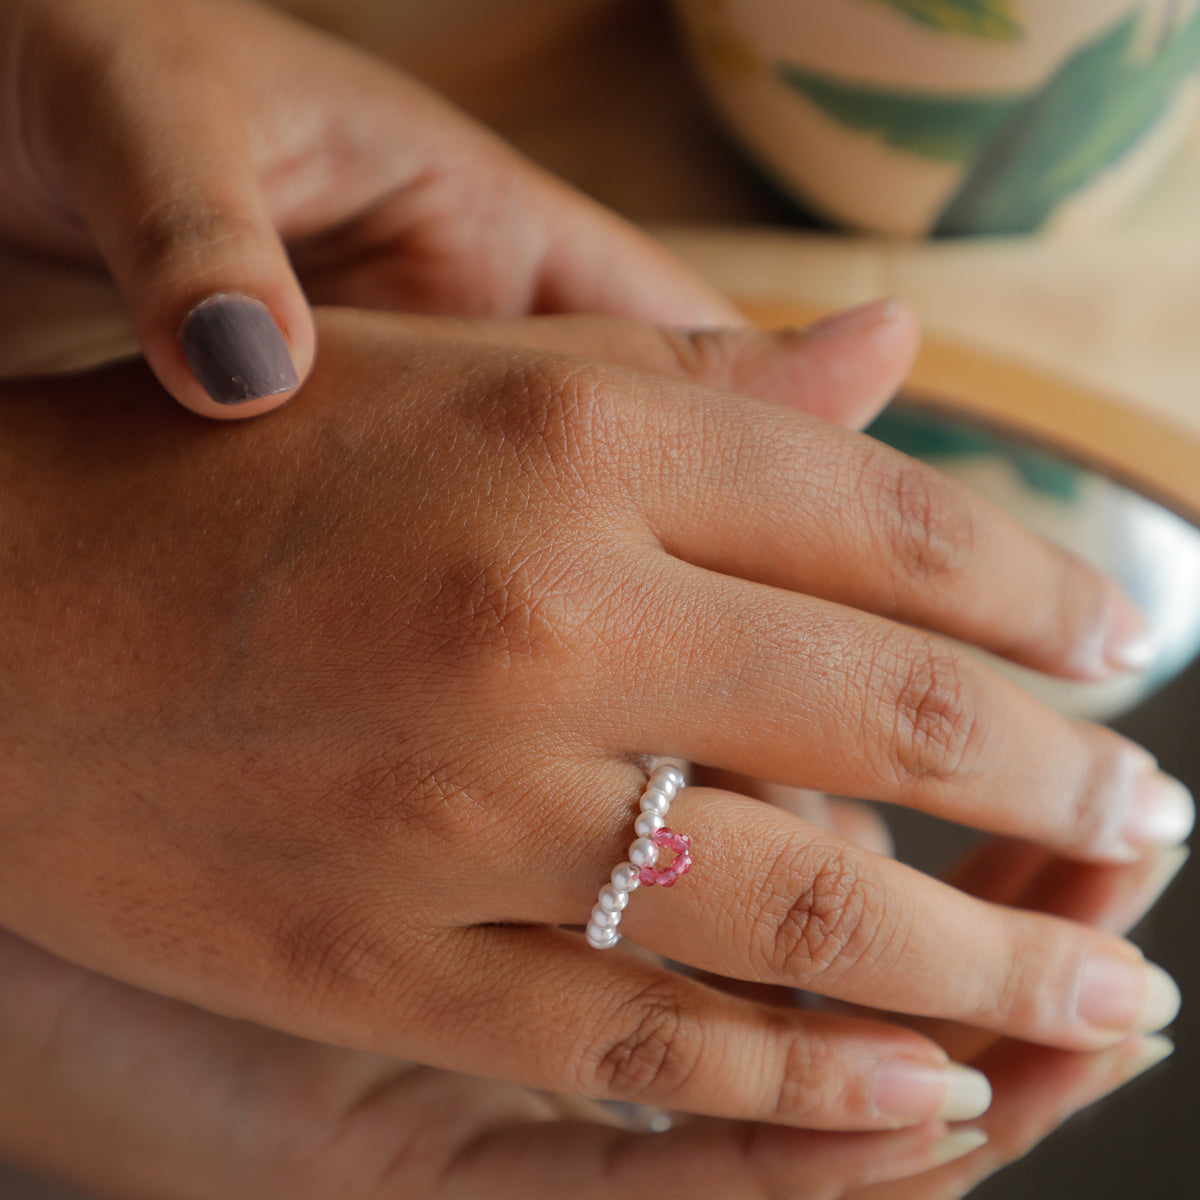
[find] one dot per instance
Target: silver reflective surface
(1151, 552)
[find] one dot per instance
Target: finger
(156, 160)
(848, 819)
(594, 261)
(1037, 1089)
(565, 1018)
(1109, 897)
(998, 869)
(754, 680)
(794, 504)
(772, 900)
(844, 369)
(717, 1160)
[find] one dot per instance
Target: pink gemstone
(681, 845)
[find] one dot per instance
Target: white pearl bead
(648, 824)
(602, 939)
(612, 899)
(625, 878)
(667, 778)
(603, 919)
(655, 800)
(643, 853)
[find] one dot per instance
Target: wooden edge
(1140, 449)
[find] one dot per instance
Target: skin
(133, 1096)
(320, 698)
(332, 722)
(208, 147)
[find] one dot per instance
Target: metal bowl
(1153, 553)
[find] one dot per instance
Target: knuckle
(701, 354)
(185, 231)
(809, 1080)
(500, 611)
(559, 418)
(823, 916)
(934, 718)
(495, 619)
(929, 518)
(650, 1048)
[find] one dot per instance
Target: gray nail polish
(236, 350)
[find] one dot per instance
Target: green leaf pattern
(1023, 154)
(952, 129)
(992, 19)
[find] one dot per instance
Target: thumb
(161, 173)
(844, 369)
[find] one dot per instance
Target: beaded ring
(643, 865)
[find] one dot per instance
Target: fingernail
(1116, 994)
(1161, 814)
(1154, 1049)
(854, 320)
(1145, 892)
(1128, 643)
(236, 350)
(935, 1153)
(913, 1091)
(957, 1144)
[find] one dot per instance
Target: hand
(133, 1095)
(182, 145)
(330, 723)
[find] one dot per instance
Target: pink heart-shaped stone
(681, 845)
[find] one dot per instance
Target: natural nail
(934, 1153)
(1162, 812)
(1118, 995)
(914, 1091)
(1128, 643)
(1145, 888)
(1154, 1049)
(858, 319)
(236, 350)
(957, 1144)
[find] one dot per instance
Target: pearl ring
(646, 861)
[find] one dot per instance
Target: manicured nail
(914, 1091)
(934, 1153)
(236, 350)
(1154, 1049)
(956, 1145)
(1162, 812)
(1118, 995)
(855, 320)
(1128, 643)
(1143, 893)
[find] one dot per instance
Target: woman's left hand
(137, 1096)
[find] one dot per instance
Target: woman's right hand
(332, 722)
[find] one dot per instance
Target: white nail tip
(1155, 1049)
(1160, 1004)
(956, 1145)
(1163, 812)
(968, 1094)
(1133, 654)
